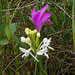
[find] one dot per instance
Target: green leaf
(12, 28)
(7, 29)
(17, 40)
(7, 32)
(2, 26)
(4, 42)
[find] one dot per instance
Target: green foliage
(12, 27)
(4, 42)
(7, 32)
(2, 26)
(17, 40)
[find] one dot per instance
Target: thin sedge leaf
(37, 6)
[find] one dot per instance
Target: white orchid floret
(38, 34)
(44, 47)
(23, 39)
(46, 41)
(51, 48)
(27, 52)
(26, 40)
(43, 51)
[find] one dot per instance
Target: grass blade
(73, 23)
(37, 6)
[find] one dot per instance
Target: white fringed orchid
(27, 52)
(44, 47)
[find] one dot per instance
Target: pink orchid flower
(39, 17)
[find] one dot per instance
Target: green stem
(35, 68)
(73, 23)
(37, 6)
(42, 72)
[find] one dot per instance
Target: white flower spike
(27, 52)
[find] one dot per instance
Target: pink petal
(35, 21)
(48, 21)
(44, 8)
(33, 11)
(44, 17)
(42, 11)
(43, 20)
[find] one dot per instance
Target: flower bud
(32, 32)
(27, 30)
(28, 39)
(35, 30)
(38, 34)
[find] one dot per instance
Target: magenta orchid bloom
(39, 17)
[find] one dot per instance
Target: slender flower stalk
(39, 17)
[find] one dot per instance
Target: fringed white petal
(22, 49)
(51, 48)
(46, 55)
(40, 52)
